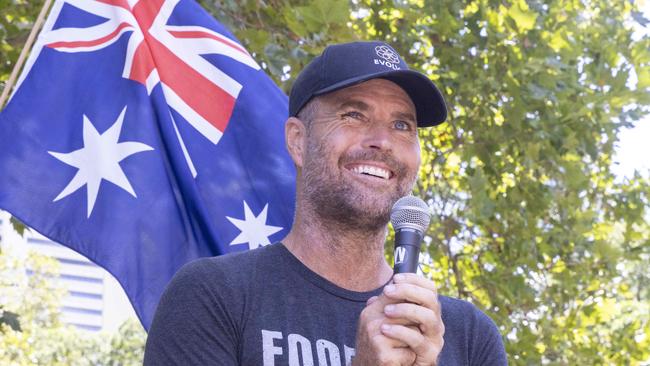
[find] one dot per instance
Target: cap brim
(429, 104)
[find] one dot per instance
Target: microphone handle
(407, 250)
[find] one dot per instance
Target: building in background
(95, 300)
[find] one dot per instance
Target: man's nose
(377, 136)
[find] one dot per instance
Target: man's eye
(353, 114)
(402, 125)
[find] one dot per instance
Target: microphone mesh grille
(411, 212)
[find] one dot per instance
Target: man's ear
(295, 134)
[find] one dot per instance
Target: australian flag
(143, 136)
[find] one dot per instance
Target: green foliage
(283, 36)
(17, 225)
(34, 332)
(126, 346)
(530, 224)
(16, 20)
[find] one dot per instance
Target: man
(325, 295)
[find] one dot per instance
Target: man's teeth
(371, 170)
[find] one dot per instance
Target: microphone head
(410, 212)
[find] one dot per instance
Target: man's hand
(416, 301)
(403, 326)
(373, 347)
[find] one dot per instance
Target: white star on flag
(99, 159)
(254, 230)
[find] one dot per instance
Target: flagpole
(23, 53)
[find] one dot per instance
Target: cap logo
(387, 54)
(389, 57)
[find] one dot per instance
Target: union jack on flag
(143, 136)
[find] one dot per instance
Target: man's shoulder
(230, 267)
(456, 305)
(234, 259)
(203, 310)
(457, 311)
(471, 336)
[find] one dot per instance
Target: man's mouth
(371, 170)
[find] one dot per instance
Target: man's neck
(351, 259)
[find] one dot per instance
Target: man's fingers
(414, 339)
(378, 302)
(421, 345)
(413, 293)
(428, 322)
(396, 350)
(414, 279)
(405, 355)
(391, 343)
(412, 316)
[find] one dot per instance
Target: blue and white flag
(143, 136)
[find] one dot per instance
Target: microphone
(410, 217)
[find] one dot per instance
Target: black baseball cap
(343, 65)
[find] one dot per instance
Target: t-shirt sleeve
(193, 324)
(488, 347)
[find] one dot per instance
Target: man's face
(362, 153)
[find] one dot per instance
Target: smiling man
(325, 295)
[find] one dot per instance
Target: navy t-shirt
(264, 307)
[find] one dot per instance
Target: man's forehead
(361, 93)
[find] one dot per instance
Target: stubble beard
(344, 203)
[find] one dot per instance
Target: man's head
(343, 65)
(354, 138)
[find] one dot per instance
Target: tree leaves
(18, 226)
(522, 15)
(31, 331)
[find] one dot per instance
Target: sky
(633, 147)
(633, 150)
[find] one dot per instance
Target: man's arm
(192, 325)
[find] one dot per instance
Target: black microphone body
(407, 250)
